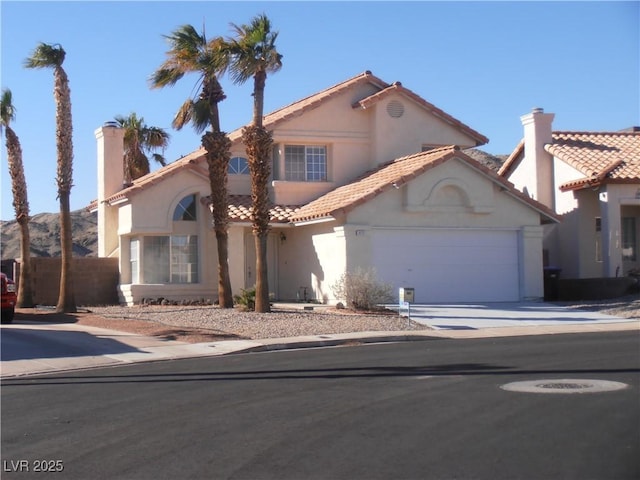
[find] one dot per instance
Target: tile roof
(240, 209)
(398, 88)
(295, 109)
(395, 174)
(309, 103)
(602, 157)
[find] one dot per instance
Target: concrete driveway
(475, 316)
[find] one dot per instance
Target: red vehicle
(9, 298)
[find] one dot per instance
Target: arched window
(238, 166)
(186, 209)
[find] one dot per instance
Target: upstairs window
(238, 166)
(186, 209)
(305, 163)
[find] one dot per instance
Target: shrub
(362, 290)
(247, 298)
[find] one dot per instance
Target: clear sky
(485, 63)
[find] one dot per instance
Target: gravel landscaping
(195, 324)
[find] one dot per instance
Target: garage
(449, 265)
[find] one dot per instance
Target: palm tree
(20, 200)
(52, 56)
(254, 55)
(191, 52)
(140, 139)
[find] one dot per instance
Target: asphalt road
(417, 410)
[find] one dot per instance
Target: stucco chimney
(537, 133)
(110, 139)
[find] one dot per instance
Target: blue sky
(485, 63)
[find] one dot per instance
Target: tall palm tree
(20, 200)
(191, 52)
(254, 54)
(140, 139)
(52, 56)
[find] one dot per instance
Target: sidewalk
(141, 348)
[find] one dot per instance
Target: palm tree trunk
(21, 206)
(66, 298)
(258, 142)
(64, 143)
(217, 145)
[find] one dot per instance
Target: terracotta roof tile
(602, 157)
(240, 209)
(309, 103)
(290, 111)
(398, 88)
(395, 174)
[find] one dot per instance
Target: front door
(250, 262)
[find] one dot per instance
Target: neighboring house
(592, 179)
(348, 190)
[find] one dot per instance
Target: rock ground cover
(195, 324)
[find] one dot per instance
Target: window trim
(309, 155)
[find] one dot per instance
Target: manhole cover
(564, 386)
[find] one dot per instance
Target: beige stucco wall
(312, 256)
(479, 204)
(357, 140)
(420, 203)
(397, 137)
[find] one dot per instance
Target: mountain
(44, 229)
(493, 162)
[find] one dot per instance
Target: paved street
(425, 410)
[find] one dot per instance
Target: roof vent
(395, 109)
(112, 124)
(537, 110)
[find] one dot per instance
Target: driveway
(473, 316)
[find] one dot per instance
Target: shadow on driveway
(19, 343)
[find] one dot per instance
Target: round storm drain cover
(564, 386)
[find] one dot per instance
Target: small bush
(362, 290)
(247, 298)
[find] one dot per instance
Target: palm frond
(46, 56)
(183, 115)
(7, 109)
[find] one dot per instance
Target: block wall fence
(95, 280)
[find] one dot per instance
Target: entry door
(250, 262)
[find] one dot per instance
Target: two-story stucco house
(365, 174)
(592, 179)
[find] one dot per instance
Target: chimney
(537, 134)
(110, 139)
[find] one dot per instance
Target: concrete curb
(153, 350)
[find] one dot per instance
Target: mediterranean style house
(365, 174)
(591, 179)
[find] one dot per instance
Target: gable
(595, 157)
(394, 176)
(451, 194)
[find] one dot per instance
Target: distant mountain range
(44, 228)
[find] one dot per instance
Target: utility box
(407, 294)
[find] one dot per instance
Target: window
(305, 163)
(238, 166)
(186, 209)
(629, 238)
(171, 259)
(134, 248)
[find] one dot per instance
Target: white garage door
(449, 265)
